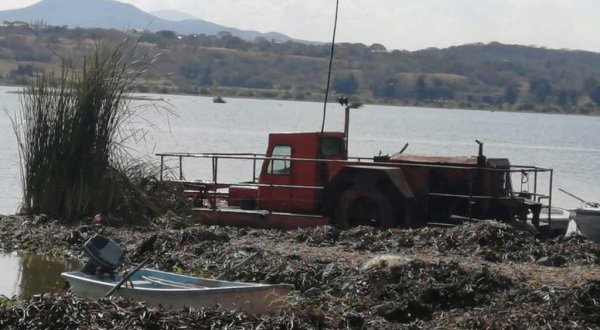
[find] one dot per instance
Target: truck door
(274, 192)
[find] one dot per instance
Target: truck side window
(331, 146)
(281, 166)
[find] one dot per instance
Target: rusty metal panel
(438, 160)
(369, 174)
(396, 176)
(501, 163)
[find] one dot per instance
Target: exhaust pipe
(343, 100)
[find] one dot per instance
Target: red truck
(307, 179)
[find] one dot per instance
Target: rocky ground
(474, 276)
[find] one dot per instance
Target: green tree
(589, 84)
(541, 88)
(389, 90)
(196, 71)
(347, 84)
(511, 94)
(566, 98)
(595, 95)
(378, 48)
(22, 70)
(167, 34)
(263, 44)
(421, 89)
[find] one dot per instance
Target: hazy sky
(402, 24)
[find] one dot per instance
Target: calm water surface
(569, 144)
(25, 275)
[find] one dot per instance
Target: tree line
(481, 76)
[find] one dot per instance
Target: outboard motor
(105, 256)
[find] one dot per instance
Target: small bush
(71, 132)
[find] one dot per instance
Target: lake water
(20, 274)
(569, 144)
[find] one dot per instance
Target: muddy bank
(483, 275)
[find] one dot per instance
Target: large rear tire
(364, 205)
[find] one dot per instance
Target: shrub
(72, 129)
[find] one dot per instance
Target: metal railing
(471, 197)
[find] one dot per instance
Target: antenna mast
(337, 6)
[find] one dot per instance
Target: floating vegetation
(483, 275)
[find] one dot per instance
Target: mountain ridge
(172, 15)
(112, 14)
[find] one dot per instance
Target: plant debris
(483, 275)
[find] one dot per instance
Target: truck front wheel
(364, 205)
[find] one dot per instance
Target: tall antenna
(337, 7)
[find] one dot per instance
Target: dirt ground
(474, 276)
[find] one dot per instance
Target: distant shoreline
(134, 98)
(331, 101)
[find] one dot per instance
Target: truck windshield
(281, 166)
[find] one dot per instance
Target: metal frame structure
(212, 187)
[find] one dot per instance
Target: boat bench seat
(174, 284)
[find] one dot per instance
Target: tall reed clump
(72, 132)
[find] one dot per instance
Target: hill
(110, 14)
(475, 76)
(172, 15)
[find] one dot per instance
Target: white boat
(588, 221)
(174, 291)
(559, 218)
(99, 279)
(572, 229)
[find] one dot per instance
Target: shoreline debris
(470, 276)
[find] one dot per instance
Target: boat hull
(188, 291)
(559, 219)
(588, 223)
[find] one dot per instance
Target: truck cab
(290, 179)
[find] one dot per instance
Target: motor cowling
(105, 256)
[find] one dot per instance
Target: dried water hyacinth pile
(448, 297)
(548, 308)
(491, 241)
(483, 275)
(69, 312)
(46, 237)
